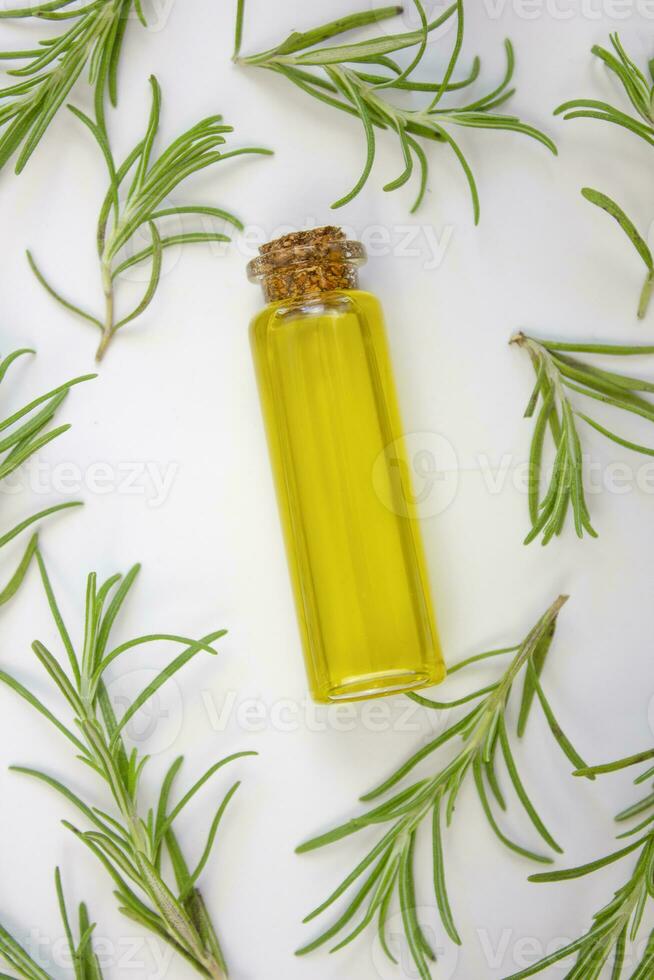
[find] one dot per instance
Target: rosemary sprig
(148, 181)
(356, 78)
(558, 373)
(387, 870)
(129, 843)
(618, 922)
(638, 89)
(92, 35)
(22, 434)
(614, 925)
(84, 960)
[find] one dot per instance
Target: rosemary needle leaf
(630, 230)
(55, 295)
(210, 840)
(442, 705)
(385, 873)
(339, 75)
(634, 446)
(138, 198)
(130, 846)
(632, 760)
(529, 687)
(16, 580)
(440, 886)
(521, 792)
(488, 813)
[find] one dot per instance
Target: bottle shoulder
(346, 302)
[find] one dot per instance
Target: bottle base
(378, 685)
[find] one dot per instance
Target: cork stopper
(307, 263)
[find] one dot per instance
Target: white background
(177, 392)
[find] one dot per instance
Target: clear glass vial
(343, 484)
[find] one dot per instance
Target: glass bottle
(343, 485)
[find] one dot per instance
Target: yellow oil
(343, 486)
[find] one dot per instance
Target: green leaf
(444, 705)
(11, 358)
(352, 93)
(72, 797)
(346, 916)
(587, 869)
(628, 227)
(58, 618)
(164, 825)
(55, 671)
(376, 852)
(155, 275)
(520, 790)
(114, 608)
(16, 580)
(162, 678)
(211, 837)
(48, 396)
(440, 887)
(151, 132)
(238, 33)
(523, 851)
(359, 50)
(38, 705)
(67, 304)
(409, 920)
(631, 760)
(564, 742)
(65, 920)
(456, 51)
(644, 450)
(538, 661)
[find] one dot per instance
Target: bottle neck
(305, 264)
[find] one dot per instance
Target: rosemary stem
(109, 329)
(179, 925)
